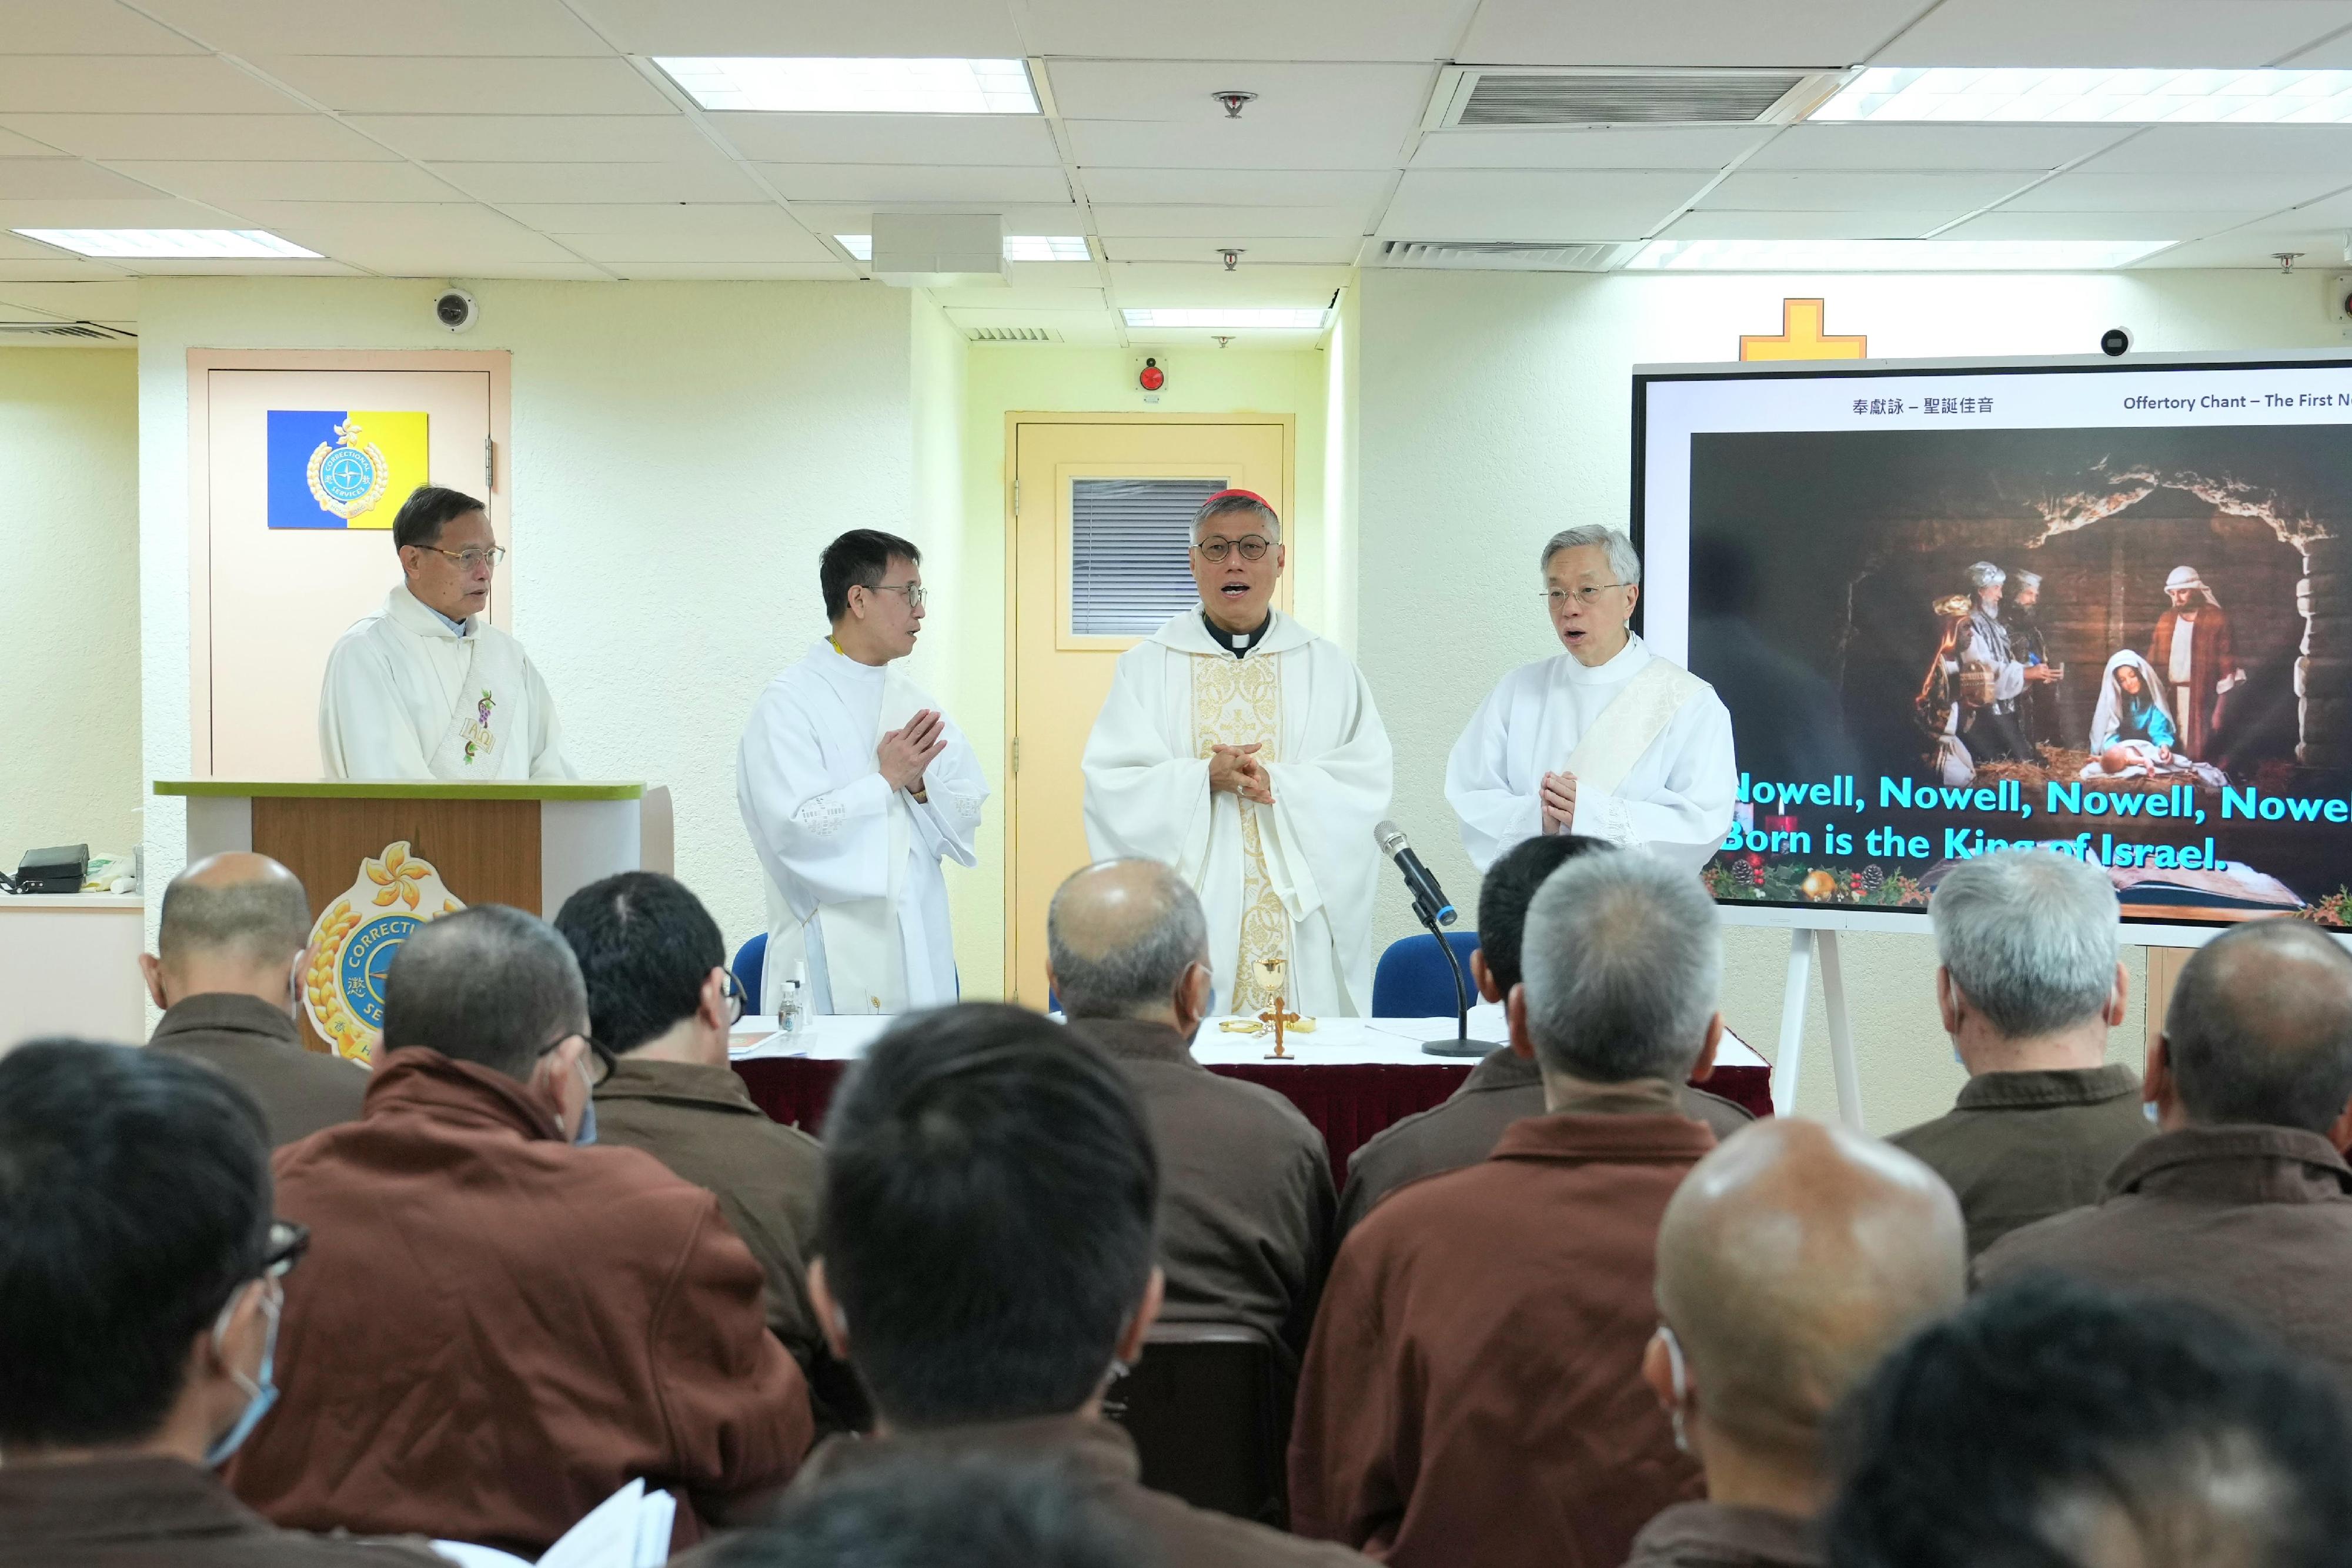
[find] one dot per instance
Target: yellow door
(1102, 507)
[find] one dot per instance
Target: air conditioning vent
(1505, 255)
(1012, 335)
(1475, 97)
(88, 330)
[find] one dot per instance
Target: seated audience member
(1793, 1258)
(987, 1266)
(2030, 986)
(2243, 1201)
(1505, 1085)
(2050, 1423)
(228, 972)
(971, 1513)
(1473, 1392)
(1245, 1193)
(655, 969)
(138, 1306)
(497, 1328)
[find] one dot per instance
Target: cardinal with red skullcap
(1243, 750)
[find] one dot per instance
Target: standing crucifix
(1269, 975)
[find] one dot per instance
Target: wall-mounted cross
(1801, 337)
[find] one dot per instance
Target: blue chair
(751, 965)
(1414, 982)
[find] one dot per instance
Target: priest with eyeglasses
(1245, 751)
(426, 688)
(1607, 739)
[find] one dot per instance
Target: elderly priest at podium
(1245, 750)
(426, 688)
(1607, 739)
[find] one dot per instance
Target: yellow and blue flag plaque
(342, 470)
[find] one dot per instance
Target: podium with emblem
(381, 859)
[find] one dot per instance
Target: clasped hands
(906, 751)
(1559, 800)
(1237, 770)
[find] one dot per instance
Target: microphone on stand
(1435, 912)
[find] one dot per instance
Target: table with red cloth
(1351, 1077)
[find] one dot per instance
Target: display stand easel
(1802, 946)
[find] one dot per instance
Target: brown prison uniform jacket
(1462, 1130)
(700, 1121)
(1712, 1535)
(2254, 1222)
(494, 1330)
(2022, 1146)
(1102, 1459)
(157, 1512)
(299, 1092)
(1473, 1392)
(1245, 1196)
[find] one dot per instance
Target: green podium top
(402, 790)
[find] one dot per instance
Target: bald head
(1120, 936)
(1791, 1260)
(231, 924)
(2260, 1029)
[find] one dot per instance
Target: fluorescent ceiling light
(1017, 247)
(170, 243)
(1218, 321)
(2096, 97)
(1892, 255)
(838, 85)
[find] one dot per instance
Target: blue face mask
(261, 1393)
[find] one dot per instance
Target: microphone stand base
(1456, 1047)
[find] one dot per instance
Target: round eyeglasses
(1251, 546)
(1588, 597)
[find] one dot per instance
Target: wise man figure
(2037, 705)
(2191, 652)
(1994, 674)
(1244, 750)
(1607, 739)
(426, 688)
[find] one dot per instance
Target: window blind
(1130, 567)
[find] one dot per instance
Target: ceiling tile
(1256, 252)
(133, 84)
(1684, 146)
(1386, 96)
(2044, 147)
(2226, 149)
(31, 179)
(268, 138)
(1239, 187)
(1841, 189)
(684, 220)
(233, 184)
(2251, 189)
(154, 213)
(618, 249)
(1020, 217)
(62, 269)
(2329, 211)
(2253, 248)
(1228, 222)
(537, 138)
(1188, 287)
(1536, 203)
(1251, 30)
(390, 84)
(252, 28)
(357, 231)
(2007, 225)
(972, 29)
(1805, 226)
(76, 301)
(2113, 32)
(87, 28)
(18, 248)
(13, 145)
(241, 267)
(1821, 33)
(888, 182)
(1004, 140)
(711, 179)
(732, 271)
(1338, 142)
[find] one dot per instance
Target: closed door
(1102, 521)
(283, 572)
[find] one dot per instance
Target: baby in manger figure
(2132, 734)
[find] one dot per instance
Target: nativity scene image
(2143, 635)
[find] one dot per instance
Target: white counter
(69, 964)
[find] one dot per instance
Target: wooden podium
(394, 855)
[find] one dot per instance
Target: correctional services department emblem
(349, 476)
(352, 943)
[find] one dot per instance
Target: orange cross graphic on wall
(1801, 337)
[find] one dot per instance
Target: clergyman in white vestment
(1607, 739)
(853, 785)
(426, 688)
(1244, 750)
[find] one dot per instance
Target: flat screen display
(2101, 607)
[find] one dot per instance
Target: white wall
(1496, 410)
(70, 613)
(681, 453)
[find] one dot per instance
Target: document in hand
(628, 1529)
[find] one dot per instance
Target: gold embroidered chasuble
(1236, 702)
